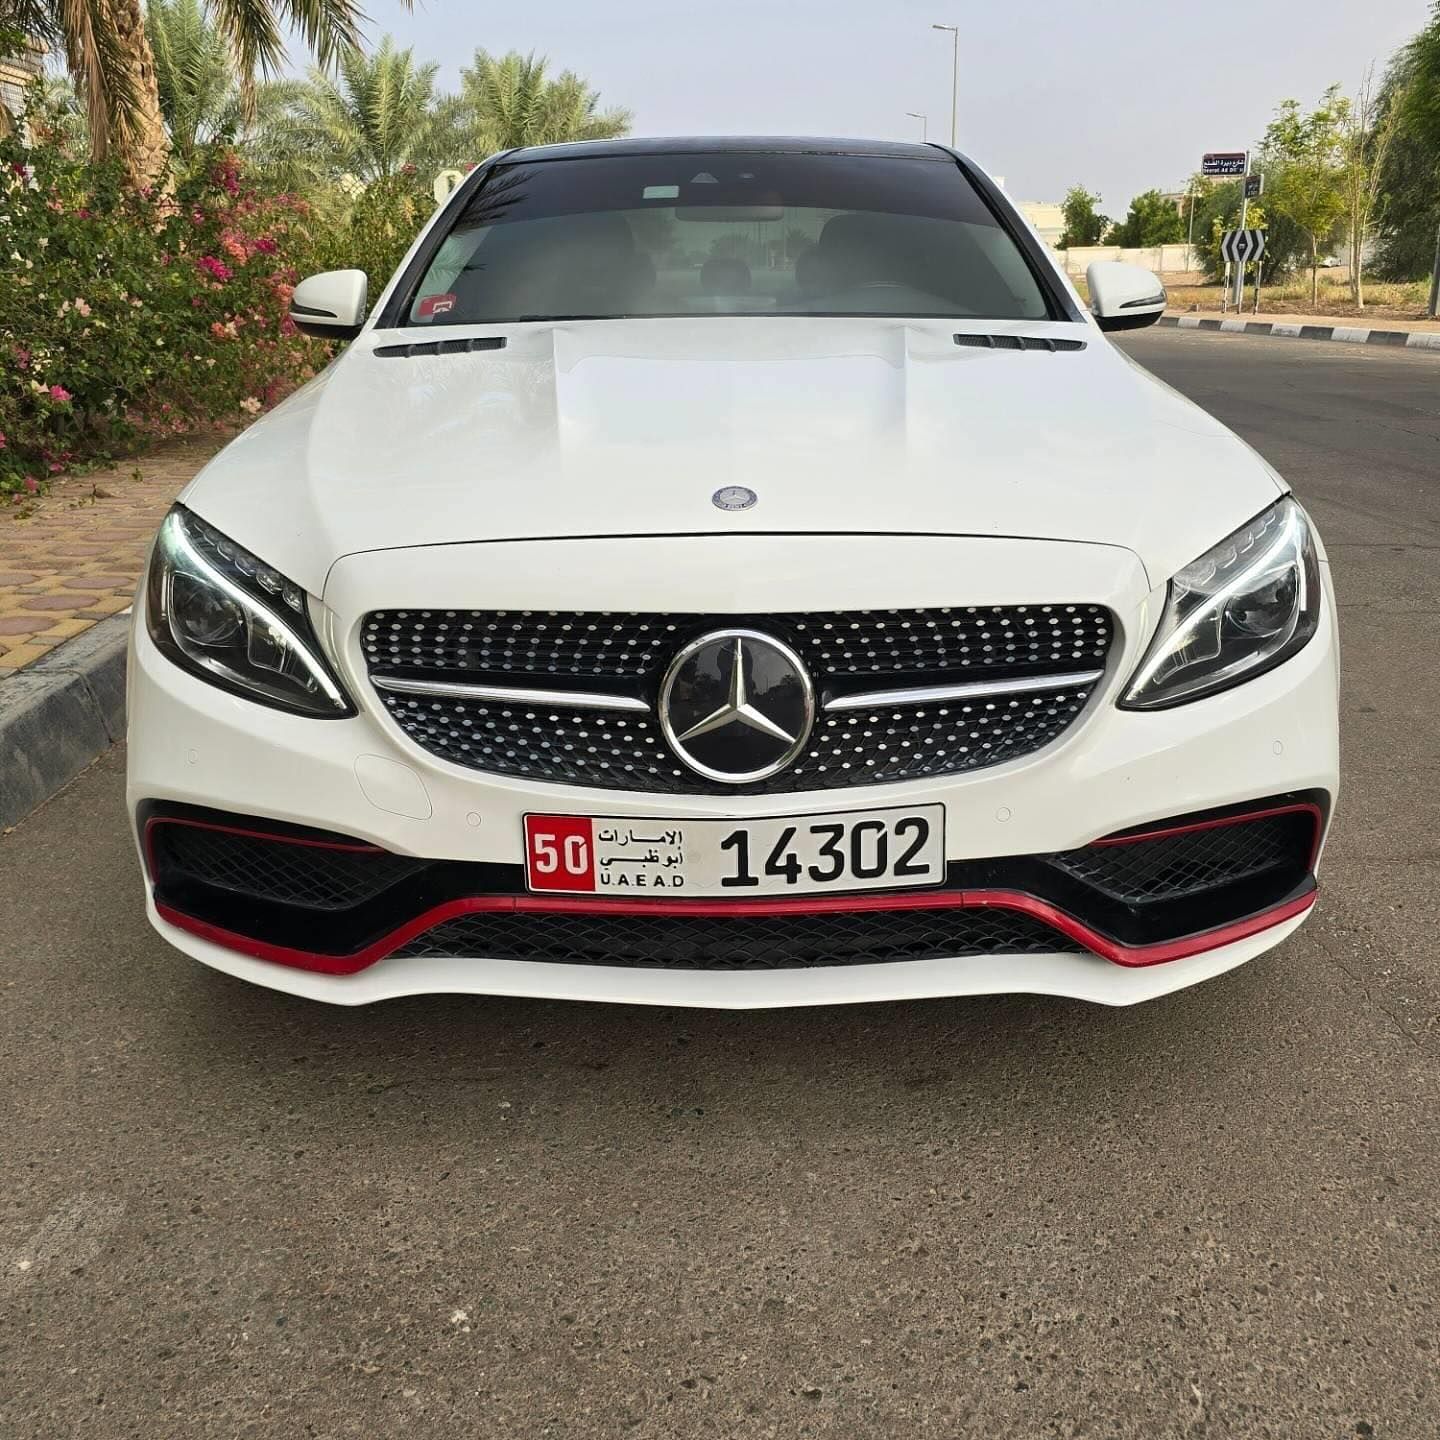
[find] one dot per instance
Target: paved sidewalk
(75, 556)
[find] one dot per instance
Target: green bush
(128, 317)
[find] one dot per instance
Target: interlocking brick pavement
(73, 556)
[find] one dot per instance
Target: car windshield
(719, 233)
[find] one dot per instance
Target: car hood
(629, 427)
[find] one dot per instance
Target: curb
(1354, 334)
(60, 714)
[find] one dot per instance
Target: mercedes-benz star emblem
(737, 706)
(733, 497)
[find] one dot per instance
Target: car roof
(729, 144)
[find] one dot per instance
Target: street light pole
(924, 124)
(954, 77)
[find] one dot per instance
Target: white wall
(1162, 259)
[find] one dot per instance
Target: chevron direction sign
(1241, 246)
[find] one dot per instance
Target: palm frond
(99, 65)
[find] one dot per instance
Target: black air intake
(1018, 342)
(440, 347)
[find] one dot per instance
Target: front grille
(959, 642)
(846, 653)
(627, 752)
(697, 942)
(1171, 866)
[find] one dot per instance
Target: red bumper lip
(1065, 924)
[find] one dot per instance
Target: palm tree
(510, 101)
(108, 52)
(365, 123)
(194, 75)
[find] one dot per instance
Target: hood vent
(1018, 342)
(441, 347)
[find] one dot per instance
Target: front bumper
(193, 745)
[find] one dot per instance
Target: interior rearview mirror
(331, 306)
(1124, 297)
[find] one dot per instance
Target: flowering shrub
(377, 229)
(125, 317)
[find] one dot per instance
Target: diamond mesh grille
(957, 642)
(628, 752)
(740, 943)
(310, 875)
(1177, 865)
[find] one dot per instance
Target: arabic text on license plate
(785, 855)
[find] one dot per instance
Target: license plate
(788, 855)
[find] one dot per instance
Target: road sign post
(1231, 162)
(1244, 208)
(1240, 247)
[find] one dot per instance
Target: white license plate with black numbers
(790, 855)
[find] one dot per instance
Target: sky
(1117, 95)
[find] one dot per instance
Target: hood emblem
(737, 706)
(733, 497)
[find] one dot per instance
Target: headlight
(1234, 613)
(225, 616)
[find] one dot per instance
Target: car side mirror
(331, 306)
(1124, 297)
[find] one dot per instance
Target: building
(16, 73)
(1047, 217)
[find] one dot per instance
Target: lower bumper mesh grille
(348, 904)
(1191, 862)
(792, 942)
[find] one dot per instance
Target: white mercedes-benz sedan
(732, 573)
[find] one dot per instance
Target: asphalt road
(228, 1213)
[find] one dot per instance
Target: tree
(1409, 213)
(108, 53)
(1370, 131)
(194, 77)
(1304, 159)
(1422, 113)
(510, 101)
(364, 124)
(1153, 220)
(1084, 225)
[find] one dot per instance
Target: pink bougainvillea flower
(216, 269)
(32, 484)
(82, 307)
(2, 439)
(266, 246)
(59, 394)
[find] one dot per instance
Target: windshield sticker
(432, 305)
(661, 192)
